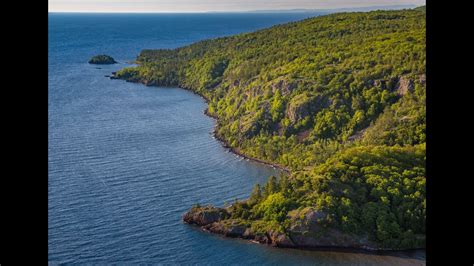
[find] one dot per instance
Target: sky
(212, 5)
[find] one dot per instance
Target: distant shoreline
(269, 11)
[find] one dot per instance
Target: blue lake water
(126, 161)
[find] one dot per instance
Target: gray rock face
(303, 105)
(263, 239)
(283, 86)
(233, 229)
(205, 215)
(216, 227)
(248, 234)
(306, 230)
(404, 85)
(281, 240)
(309, 222)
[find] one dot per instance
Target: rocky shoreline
(236, 151)
(305, 233)
(223, 142)
(212, 219)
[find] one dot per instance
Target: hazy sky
(210, 5)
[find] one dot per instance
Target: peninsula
(339, 101)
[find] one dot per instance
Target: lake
(125, 161)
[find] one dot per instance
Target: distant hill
(328, 11)
(421, 8)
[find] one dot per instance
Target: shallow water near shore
(125, 161)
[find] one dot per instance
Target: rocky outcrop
(283, 86)
(307, 230)
(303, 105)
(404, 85)
(249, 124)
(231, 228)
(281, 240)
(216, 220)
(205, 215)
(401, 85)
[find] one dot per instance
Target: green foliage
(337, 99)
(274, 208)
(256, 195)
(378, 190)
(102, 59)
(402, 123)
(270, 187)
(282, 94)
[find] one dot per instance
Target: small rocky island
(102, 60)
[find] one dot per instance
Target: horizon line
(233, 11)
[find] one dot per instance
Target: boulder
(235, 230)
(229, 228)
(282, 240)
(205, 215)
(262, 239)
(248, 234)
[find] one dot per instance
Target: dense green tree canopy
(337, 99)
(102, 60)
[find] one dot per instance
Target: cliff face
(304, 105)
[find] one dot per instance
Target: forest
(339, 100)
